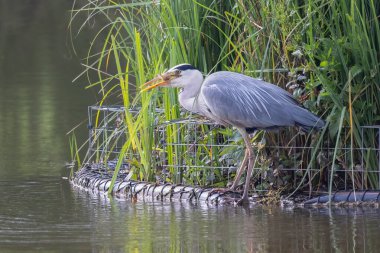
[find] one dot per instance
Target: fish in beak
(160, 80)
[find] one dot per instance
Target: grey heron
(234, 99)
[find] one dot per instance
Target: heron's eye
(177, 73)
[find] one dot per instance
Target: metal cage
(197, 151)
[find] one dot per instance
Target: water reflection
(38, 102)
(73, 219)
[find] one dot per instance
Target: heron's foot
(218, 190)
(234, 188)
(244, 201)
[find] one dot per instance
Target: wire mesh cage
(107, 134)
(199, 152)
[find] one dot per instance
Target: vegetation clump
(326, 53)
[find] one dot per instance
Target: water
(40, 212)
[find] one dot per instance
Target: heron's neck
(188, 95)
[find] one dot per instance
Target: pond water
(40, 212)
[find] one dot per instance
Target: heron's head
(177, 77)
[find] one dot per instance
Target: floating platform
(96, 178)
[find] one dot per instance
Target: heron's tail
(307, 120)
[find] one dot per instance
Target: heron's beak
(160, 80)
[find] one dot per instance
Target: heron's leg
(251, 162)
(240, 171)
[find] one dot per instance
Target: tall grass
(327, 51)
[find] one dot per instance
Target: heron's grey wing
(242, 101)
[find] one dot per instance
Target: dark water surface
(40, 212)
